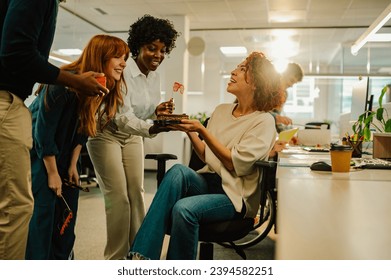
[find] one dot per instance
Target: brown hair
(95, 57)
(295, 70)
(266, 80)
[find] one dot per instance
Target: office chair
(236, 234)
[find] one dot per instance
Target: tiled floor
(91, 232)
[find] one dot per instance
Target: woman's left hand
(188, 125)
(73, 175)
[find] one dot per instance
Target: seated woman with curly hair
(237, 135)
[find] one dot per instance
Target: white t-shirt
(250, 138)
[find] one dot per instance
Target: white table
(325, 215)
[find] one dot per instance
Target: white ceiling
(323, 30)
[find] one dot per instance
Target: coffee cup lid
(336, 147)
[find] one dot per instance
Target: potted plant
(362, 127)
(201, 116)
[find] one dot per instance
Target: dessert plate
(166, 122)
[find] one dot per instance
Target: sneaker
(136, 256)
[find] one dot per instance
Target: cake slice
(166, 119)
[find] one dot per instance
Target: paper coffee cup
(340, 158)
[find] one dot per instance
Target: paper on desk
(286, 135)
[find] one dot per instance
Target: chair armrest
(161, 164)
(161, 156)
(266, 163)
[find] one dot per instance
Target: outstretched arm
(84, 83)
(221, 152)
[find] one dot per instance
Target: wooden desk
(325, 215)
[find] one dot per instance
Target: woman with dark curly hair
(237, 135)
(117, 152)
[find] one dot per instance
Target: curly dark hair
(148, 29)
(267, 82)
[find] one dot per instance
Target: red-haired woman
(63, 119)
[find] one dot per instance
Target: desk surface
(325, 215)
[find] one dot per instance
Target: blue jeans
(183, 201)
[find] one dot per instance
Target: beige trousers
(119, 166)
(16, 199)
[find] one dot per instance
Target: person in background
(63, 119)
(26, 35)
(292, 75)
(121, 143)
(237, 135)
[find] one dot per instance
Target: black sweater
(26, 35)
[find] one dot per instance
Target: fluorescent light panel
(59, 59)
(372, 29)
(234, 51)
(380, 37)
(68, 52)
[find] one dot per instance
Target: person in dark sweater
(62, 121)
(26, 34)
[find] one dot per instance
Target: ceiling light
(234, 51)
(59, 59)
(372, 29)
(68, 52)
(288, 16)
(380, 37)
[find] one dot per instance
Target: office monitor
(361, 99)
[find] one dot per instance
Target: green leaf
(369, 118)
(361, 118)
(387, 126)
(379, 113)
(383, 92)
(367, 134)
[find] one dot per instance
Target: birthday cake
(165, 119)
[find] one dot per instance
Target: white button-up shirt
(140, 101)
